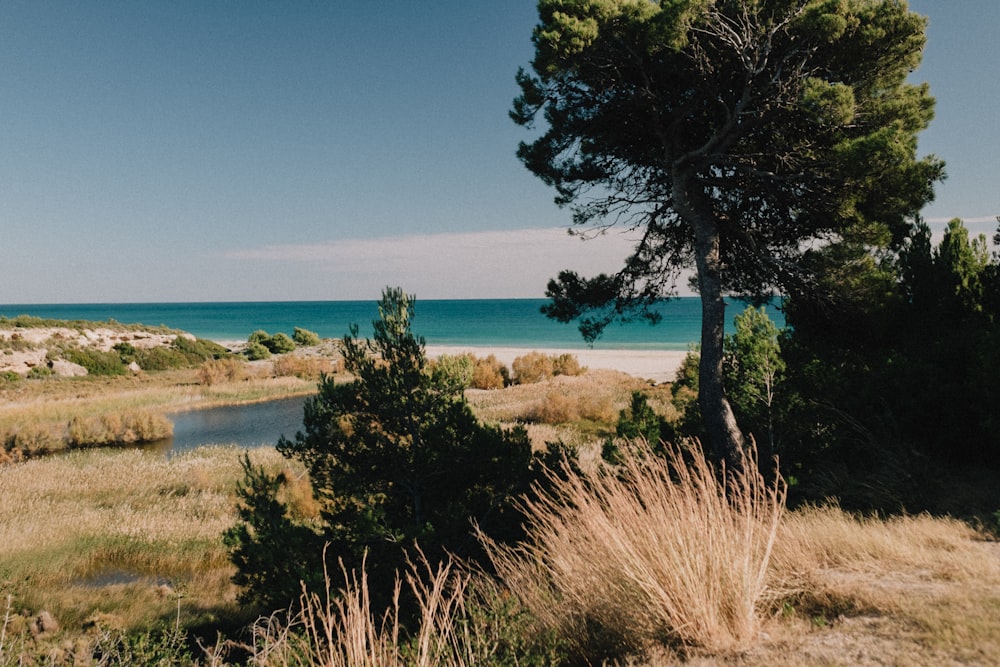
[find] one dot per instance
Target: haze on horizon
(183, 151)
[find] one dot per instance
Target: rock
(64, 368)
(134, 367)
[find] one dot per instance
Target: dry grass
(340, 629)
(656, 551)
(92, 535)
(35, 415)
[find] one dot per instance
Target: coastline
(656, 365)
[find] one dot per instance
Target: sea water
(471, 322)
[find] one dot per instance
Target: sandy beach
(656, 365)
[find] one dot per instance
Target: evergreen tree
(726, 135)
(395, 459)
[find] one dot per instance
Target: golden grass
(36, 415)
(659, 550)
(93, 534)
(341, 629)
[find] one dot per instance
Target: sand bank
(656, 365)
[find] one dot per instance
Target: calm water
(242, 425)
(482, 323)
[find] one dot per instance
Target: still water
(241, 425)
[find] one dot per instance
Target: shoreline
(656, 365)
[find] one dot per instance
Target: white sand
(656, 365)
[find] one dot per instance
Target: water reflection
(243, 425)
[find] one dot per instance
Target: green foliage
(731, 134)
(753, 369)
(394, 458)
(280, 343)
(256, 352)
(453, 373)
(639, 420)
(162, 647)
(894, 375)
(96, 362)
(273, 554)
(305, 338)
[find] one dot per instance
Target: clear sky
(218, 150)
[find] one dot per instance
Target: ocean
(474, 322)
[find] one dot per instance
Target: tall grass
(660, 550)
(339, 628)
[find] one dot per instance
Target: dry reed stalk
(338, 628)
(657, 550)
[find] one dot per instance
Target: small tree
(752, 366)
(395, 458)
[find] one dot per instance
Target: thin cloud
(488, 264)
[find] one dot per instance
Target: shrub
(199, 349)
(259, 336)
(305, 338)
(306, 368)
(661, 548)
(214, 371)
(567, 364)
(453, 373)
(280, 343)
(256, 352)
(557, 408)
(489, 373)
(95, 361)
(532, 367)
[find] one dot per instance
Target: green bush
(280, 343)
(256, 352)
(95, 361)
(259, 336)
(304, 337)
(453, 373)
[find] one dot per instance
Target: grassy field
(102, 550)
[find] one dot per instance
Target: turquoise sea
(475, 322)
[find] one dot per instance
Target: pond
(250, 425)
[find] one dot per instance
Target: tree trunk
(723, 435)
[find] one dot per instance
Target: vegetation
(395, 458)
(730, 134)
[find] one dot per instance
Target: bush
(567, 364)
(305, 338)
(256, 352)
(259, 336)
(306, 368)
(280, 343)
(214, 371)
(532, 367)
(557, 408)
(489, 373)
(453, 373)
(95, 361)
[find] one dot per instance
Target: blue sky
(202, 151)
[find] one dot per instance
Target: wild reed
(659, 550)
(339, 628)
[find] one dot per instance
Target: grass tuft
(657, 551)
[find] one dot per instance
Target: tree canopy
(727, 135)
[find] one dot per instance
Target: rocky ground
(25, 348)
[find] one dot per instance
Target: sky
(253, 151)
